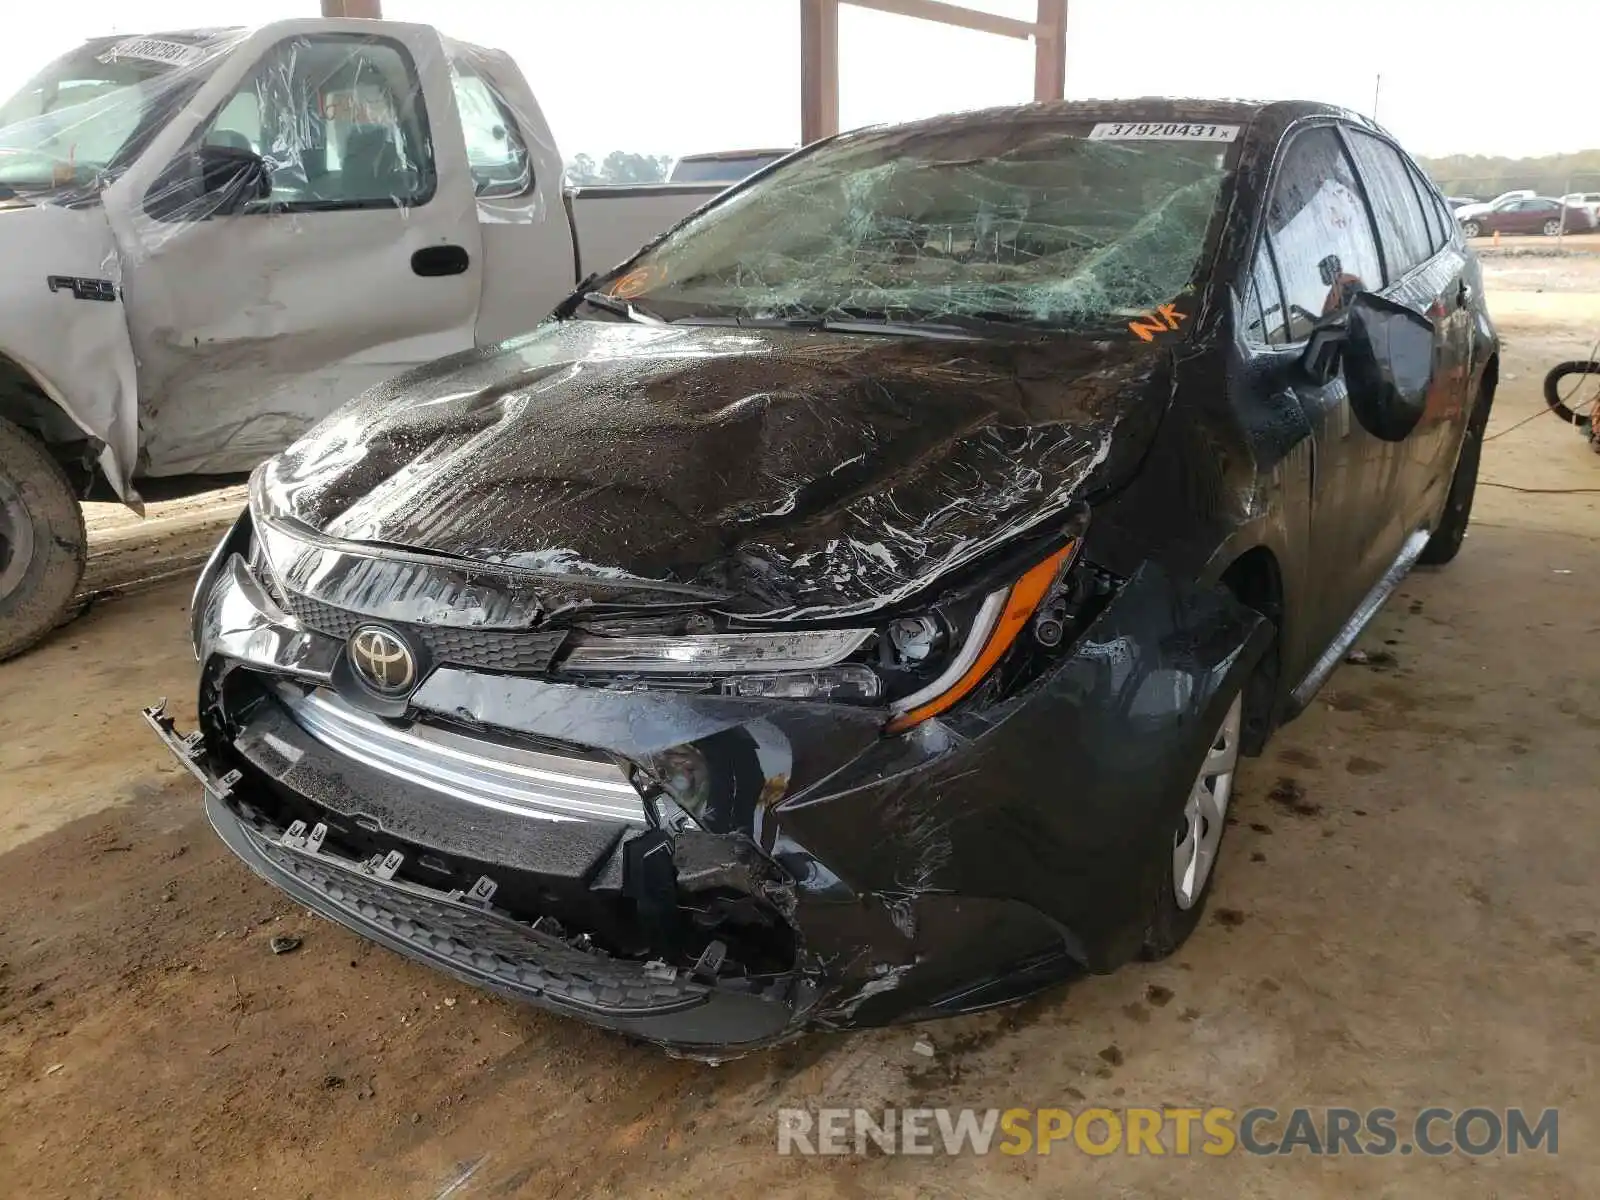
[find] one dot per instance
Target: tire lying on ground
(43, 546)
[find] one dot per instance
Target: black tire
(43, 546)
(1552, 228)
(1471, 229)
(1445, 543)
(1170, 923)
(1552, 389)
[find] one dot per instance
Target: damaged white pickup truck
(210, 239)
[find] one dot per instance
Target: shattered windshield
(70, 123)
(1052, 223)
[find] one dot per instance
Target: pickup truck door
(253, 318)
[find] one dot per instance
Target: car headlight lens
(922, 663)
(1003, 615)
(719, 653)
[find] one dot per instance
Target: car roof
(723, 155)
(1279, 113)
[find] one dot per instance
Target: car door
(1317, 250)
(1528, 216)
(253, 320)
(1424, 275)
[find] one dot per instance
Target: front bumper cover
(460, 934)
(963, 864)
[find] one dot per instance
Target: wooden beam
(819, 69)
(1050, 51)
(372, 9)
(952, 14)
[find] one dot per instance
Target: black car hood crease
(800, 473)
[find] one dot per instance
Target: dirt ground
(1412, 919)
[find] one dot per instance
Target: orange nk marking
(1162, 320)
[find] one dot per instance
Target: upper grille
(511, 650)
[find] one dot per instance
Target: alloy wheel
(1199, 834)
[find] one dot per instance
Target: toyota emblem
(382, 660)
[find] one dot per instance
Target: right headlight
(1004, 613)
(920, 663)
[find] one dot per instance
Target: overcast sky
(676, 76)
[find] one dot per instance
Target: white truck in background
(210, 239)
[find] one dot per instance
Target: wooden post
(819, 69)
(372, 9)
(1050, 51)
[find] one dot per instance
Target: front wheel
(42, 542)
(1471, 228)
(1195, 842)
(1551, 228)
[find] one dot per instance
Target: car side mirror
(209, 181)
(1388, 359)
(1324, 348)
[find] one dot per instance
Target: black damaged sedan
(854, 608)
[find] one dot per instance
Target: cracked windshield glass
(1040, 225)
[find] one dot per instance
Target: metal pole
(1050, 51)
(819, 69)
(372, 9)
(1377, 87)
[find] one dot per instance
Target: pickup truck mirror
(232, 175)
(209, 181)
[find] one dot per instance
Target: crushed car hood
(797, 473)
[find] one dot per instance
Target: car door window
(1263, 305)
(1437, 235)
(496, 154)
(1319, 230)
(1401, 225)
(339, 121)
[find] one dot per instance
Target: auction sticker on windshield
(1167, 131)
(149, 49)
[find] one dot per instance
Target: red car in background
(1534, 214)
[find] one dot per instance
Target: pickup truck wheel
(1187, 857)
(42, 542)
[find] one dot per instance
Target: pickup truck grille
(511, 650)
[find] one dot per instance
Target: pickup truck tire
(43, 546)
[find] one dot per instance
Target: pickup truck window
(73, 123)
(496, 154)
(339, 120)
(1032, 223)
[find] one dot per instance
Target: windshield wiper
(622, 308)
(925, 329)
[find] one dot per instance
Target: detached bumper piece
(461, 932)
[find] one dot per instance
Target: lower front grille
(511, 650)
(478, 941)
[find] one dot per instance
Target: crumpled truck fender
(1084, 769)
(62, 321)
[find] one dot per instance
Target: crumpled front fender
(62, 321)
(1058, 797)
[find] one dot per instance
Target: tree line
(1486, 176)
(619, 166)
